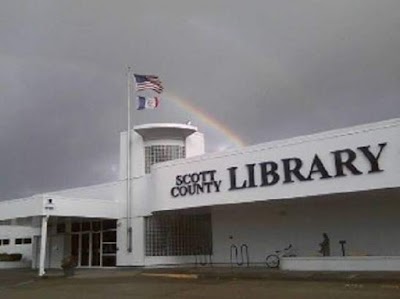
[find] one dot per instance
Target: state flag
(147, 102)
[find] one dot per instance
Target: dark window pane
(109, 224)
(27, 241)
(85, 250)
(60, 228)
(96, 226)
(6, 241)
(109, 236)
(76, 227)
(18, 241)
(96, 249)
(86, 226)
(109, 248)
(109, 260)
(75, 245)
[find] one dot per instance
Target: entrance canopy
(98, 201)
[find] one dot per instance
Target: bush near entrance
(68, 264)
(12, 257)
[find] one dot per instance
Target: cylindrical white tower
(155, 143)
(150, 144)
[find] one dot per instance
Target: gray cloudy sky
(265, 69)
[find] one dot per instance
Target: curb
(172, 275)
(333, 277)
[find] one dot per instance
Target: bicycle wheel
(272, 261)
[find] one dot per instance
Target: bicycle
(273, 260)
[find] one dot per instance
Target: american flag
(144, 82)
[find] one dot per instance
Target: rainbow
(207, 119)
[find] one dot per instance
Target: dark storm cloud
(266, 69)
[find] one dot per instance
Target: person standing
(324, 245)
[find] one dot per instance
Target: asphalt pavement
(134, 284)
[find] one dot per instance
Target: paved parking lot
(21, 284)
(15, 277)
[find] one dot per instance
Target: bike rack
(202, 259)
(244, 246)
(233, 249)
(244, 255)
(342, 243)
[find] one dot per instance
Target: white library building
(333, 196)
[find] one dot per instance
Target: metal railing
(241, 259)
(201, 258)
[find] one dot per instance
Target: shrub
(3, 257)
(13, 257)
(69, 262)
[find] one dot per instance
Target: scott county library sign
(292, 169)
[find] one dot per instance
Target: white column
(43, 241)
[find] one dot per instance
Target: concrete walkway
(233, 273)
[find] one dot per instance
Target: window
(177, 235)
(96, 226)
(109, 236)
(161, 153)
(109, 242)
(109, 224)
(76, 227)
(20, 241)
(86, 226)
(109, 248)
(6, 241)
(109, 260)
(61, 228)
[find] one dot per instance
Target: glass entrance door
(75, 239)
(96, 249)
(85, 249)
(94, 244)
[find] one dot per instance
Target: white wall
(100, 201)
(368, 221)
(351, 263)
(57, 247)
(141, 196)
(136, 257)
(21, 208)
(84, 207)
(14, 232)
(305, 147)
(137, 155)
(195, 145)
(97, 192)
(169, 260)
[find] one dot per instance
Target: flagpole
(151, 82)
(128, 168)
